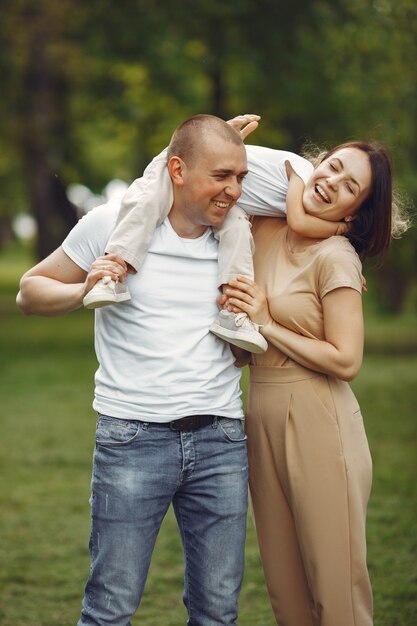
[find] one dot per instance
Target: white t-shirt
(157, 359)
(265, 186)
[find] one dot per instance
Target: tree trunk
(44, 138)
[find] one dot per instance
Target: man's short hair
(188, 139)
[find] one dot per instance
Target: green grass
(47, 430)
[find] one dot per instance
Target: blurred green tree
(365, 74)
(93, 90)
(37, 121)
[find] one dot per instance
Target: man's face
(338, 185)
(213, 183)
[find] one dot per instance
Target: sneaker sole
(241, 342)
(95, 301)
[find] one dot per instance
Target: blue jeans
(139, 469)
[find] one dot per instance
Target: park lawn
(46, 388)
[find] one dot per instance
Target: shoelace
(243, 320)
(109, 282)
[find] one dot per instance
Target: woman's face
(339, 185)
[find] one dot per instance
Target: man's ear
(177, 170)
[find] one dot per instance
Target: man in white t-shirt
(167, 390)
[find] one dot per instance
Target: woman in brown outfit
(310, 466)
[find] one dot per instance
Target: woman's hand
(247, 296)
(245, 124)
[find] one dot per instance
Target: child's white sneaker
(239, 330)
(106, 291)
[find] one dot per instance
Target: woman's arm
(57, 285)
(301, 222)
(339, 354)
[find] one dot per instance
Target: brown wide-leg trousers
(310, 479)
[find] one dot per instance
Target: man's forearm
(40, 295)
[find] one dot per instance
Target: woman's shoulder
(267, 225)
(338, 249)
(337, 243)
(338, 265)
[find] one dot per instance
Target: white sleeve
(301, 166)
(266, 184)
(87, 240)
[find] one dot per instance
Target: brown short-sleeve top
(296, 282)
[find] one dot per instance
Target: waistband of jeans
(278, 375)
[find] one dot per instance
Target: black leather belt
(192, 422)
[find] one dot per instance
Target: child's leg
(236, 246)
(235, 259)
(144, 206)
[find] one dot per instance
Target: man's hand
(245, 124)
(108, 265)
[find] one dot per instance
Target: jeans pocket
(232, 429)
(113, 432)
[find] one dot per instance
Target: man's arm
(57, 285)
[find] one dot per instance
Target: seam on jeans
(186, 569)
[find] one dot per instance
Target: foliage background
(92, 91)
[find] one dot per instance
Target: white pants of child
(147, 203)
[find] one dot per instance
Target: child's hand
(364, 287)
(342, 228)
(245, 124)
